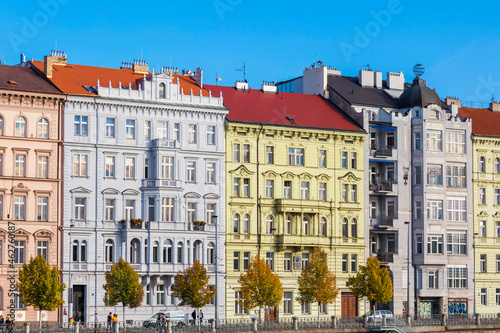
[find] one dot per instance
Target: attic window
(12, 82)
(322, 139)
(241, 133)
(291, 120)
(269, 135)
(90, 89)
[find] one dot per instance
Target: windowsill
(81, 177)
(134, 179)
(110, 178)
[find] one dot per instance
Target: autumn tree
(372, 282)
(123, 286)
(260, 286)
(191, 286)
(39, 286)
(316, 282)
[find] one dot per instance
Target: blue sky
(457, 42)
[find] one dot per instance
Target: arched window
(83, 251)
(167, 251)
(20, 126)
(109, 251)
(497, 165)
(354, 228)
(305, 222)
(79, 251)
(75, 251)
(288, 225)
(344, 228)
(135, 251)
(323, 226)
(197, 252)
(43, 129)
(161, 90)
(1, 125)
(179, 252)
(210, 253)
(482, 164)
(246, 224)
(148, 295)
(269, 224)
(236, 219)
(155, 251)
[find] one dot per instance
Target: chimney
(55, 57)
(315, 79)
(396, 81)
(378, 79)
(198, 77)
(366, 78)
(449, 100)
(269, 87)
(495, 106)
(241, 85)
(140, 67)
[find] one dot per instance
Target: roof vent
(291, 120)
(241, 85)
(14, 83)
(269, 87)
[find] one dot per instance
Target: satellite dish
(418, 70)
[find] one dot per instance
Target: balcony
(157, 183)
(159, 143)
(382, 187)
(385, 257)
(382, 151)
(382, 222)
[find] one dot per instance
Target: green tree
(372, 282)
(39, 286)
(123, 286)
(316, 282)
(260, 286)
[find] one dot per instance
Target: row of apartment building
(162, 170)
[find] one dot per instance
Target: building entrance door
(349, 304)
(79, 303)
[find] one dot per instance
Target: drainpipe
(259, 228)
(96, 198)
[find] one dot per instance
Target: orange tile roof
(71, 79)
(484, 121)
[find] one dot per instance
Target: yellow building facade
(289, 189)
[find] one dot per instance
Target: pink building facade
(30, 179)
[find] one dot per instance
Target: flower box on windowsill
(199, 225)
(136, 223)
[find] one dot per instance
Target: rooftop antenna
(243, 69)
(141, 53)
(367, 66)
(418, 70)
(56, 45)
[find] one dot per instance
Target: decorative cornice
(350, 177)
(241, 171)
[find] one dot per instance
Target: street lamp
(271, 261)
(70, 290)
(214, 221)
(408, 307)
(474, 280)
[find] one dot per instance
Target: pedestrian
(114, 320)
(8, 325)
(96, 321)
(2, 321)
(201, 316)
(159, 321)
(110, 317)
(194, 317)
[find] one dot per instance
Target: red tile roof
(71, 79)
(24, 79)
(484, 121)
(305, 110)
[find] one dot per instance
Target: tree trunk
(319, 310)
(39, 319)
(123, 312)
(372, 305)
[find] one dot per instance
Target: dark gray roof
(24, 79)
(350, 89)
(418, 95)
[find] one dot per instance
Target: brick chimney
(449, 100)
(495, 106)
(55, 57)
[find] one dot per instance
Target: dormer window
(161, 92)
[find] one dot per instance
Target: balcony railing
(385, 257)
(382, 221)
(161, 183)
(164, 143)
(384, 186)
(382, 151)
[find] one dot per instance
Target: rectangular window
(305, 308)
(270, 260)
(19, 247)
(353, 161)
(287, 189)
(435, 209)
(295, 156)
(418, 175)
(497, 196)
(210, 212)
(457, 242)
(435, 175)
(151, 208)
(110, 167)
(167, 167)
(482, 263)
(354, 196)
(167, 209)
(238, 303)
(162, 130)
(130, 129)
(305, 260)
(287, 262)
(344, 262)
(455, 175)
(419, 245)
(246, 260)
(482, 196)
(42, 213)
(177, 130)
(20, 166)
(344, 192)
(19, 208)
(236, 152)
(418, 138)
(304, 190)
(246, 153)
(434, 141)
(79, 165)
(418, 210)
(146, 168)
(110, 127)
(81, 125)
(456, 210)
(110, 210)
(455, 142)
(129, 209)
(246, 187)
(43, 166)
(42, 248)
(497, 229)
(191, 211)
(433, 279)
(322, 159)
(354, 263)
(287, 302)
(322, 192)
(344, 159)
(192, 133)
(236, 261)
(390, 139)
(210, 173)
(129, 167)
(270, 155)
(191, 172)
(236, 187)
(435, 244)
(1, 218)
(269, 188)
(457, 277)
(147, 130)
(482, 228)
(211, 135)
(497, 296)
(80, 208)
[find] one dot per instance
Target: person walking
(194, 317)
(2, 323)
(201, 317)
(96, 322)
(114, 321)
(8, 325)
(108, 319)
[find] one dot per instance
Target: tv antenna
(243, 69)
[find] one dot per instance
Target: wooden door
(349, 305)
